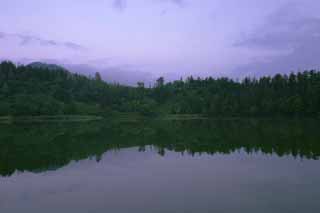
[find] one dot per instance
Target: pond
(244, 165)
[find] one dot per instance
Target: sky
(131, 40)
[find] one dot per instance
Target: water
(177, 166)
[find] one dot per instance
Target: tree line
(27, 90)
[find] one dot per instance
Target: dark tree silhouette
(29, 90)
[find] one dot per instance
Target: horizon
(152, 82)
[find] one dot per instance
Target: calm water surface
(178, 166)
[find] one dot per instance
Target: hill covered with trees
(41, 90)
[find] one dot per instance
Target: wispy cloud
(2, 35)
(285, 28)
(29, 40)
(73, 46)
(177, 2)
(293, 36)
(119, 4)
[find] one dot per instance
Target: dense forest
(40, 90)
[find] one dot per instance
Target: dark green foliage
(296, 95)
(30, 90)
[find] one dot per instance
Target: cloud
(284, 29)
(293, 36)
(119, 4)
(2, 35)
(178, 2)
(73, 46)
(29, 40)
(163, 12)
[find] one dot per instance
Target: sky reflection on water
(127, 180)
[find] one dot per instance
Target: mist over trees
(28, 90)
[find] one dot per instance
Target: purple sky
(142, 39)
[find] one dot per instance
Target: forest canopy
(41, 90)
